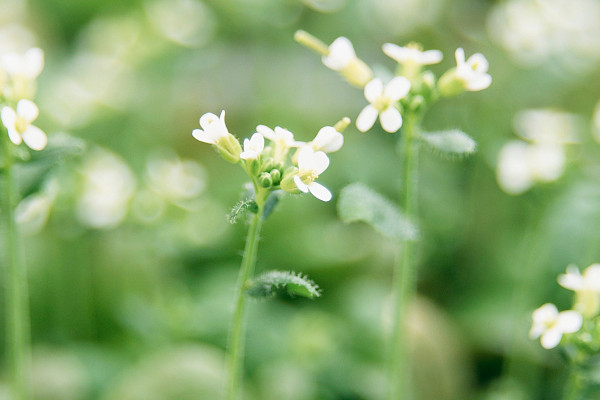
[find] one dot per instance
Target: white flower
(473, 72)
(310, 165)
(586, 288)
(28, 65)
(548, 126)
(18, 124)
(281, 138)
(411, 55)
(213, 128)
(382, 103)
(550, 325)
(253, 147)
(521, 164)
(341, 54)
(327, 140)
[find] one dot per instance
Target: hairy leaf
(359, 203)
(452, 143)
(240, 209)
(272, 282)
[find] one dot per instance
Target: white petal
(257, 142)
(203, 136)
(27, 110)
(592, 277)
(513, 172)
(14, 136)
(431, 57)
(300, 185)
(397, 88)
(305, 156)
(207, 119)
(545, 313)
(34, 62)
(479, 82)
(390, 119)
(459, 54)
(536, 331)
(319, 191)
(9, 117)
(341, 53)
(373, 90)
(328, 140)
(319, 162)
(366, 118)
(569, 321)
(478, 63)
(551, 338)
(35, 138)
(572, 279)
(248, 154)
(266, 132)
(399, 54)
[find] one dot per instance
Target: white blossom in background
(411, 55)
(586, 286)
(549, 325)
(382, 103)
(19, 125)
(107, 187)
(253, 147)
(28, 65)
(473, 71)
(400, 17)
(310, 165)
(548, 126)
(175, 179)
(566, 32)
(282, 139)
(342, 58)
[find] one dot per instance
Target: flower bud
(450, 84)
(357, 73)
(229, 148)
(342, 124)
(287, 183)
(265, 180)
(275, 176)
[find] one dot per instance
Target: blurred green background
(132, 263)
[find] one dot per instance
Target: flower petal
(328, 140)
(478, 63)
(390, 119)
(35, 138)
(551, 338)
(27, 110)
(572, 279)
(319, 162)
(341, 53)
(545, 313)
(366, 118)
(203, 136)
(34, 62)
(569, 321)
(300, 185)
(266, 132)
(9, 117)
(207, 119)
(479, 82)
(459, 54)
(431, 57)
(373, 90)
(397, 88)
(319, 191)
(397, 53)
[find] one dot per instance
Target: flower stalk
(17, 303)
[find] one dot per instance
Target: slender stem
(235, 356)
(17, 303)
(404, 272)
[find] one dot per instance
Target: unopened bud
(275, 176)
(342, 124)
(308, 40)
(265, 180)
(287, 183)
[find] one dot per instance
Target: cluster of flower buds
(282, 162)
(18, 74)
(410, 90)
(550, 325)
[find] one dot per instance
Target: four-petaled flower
(412, 55)
(383, 104)
(213, 128)
(28, 65)
(20, 129)
(253, 147)
(549, 325)
(310, 165)
(473, 72)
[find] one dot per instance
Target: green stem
(404, 272)
(17, 303)
(235, 348)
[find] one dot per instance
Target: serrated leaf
(451, 143)
(240, 209)
(272, 282)
(359, 203)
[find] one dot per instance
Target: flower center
(308, 176)
(382, 103)
(21, 124)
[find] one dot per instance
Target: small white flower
(574, 280)
(253, 147)
(473, 72)
(382, 103)
(550, 325)
(213, 128)
(341, 54)
(310, 165)
(18, 124)
(548, 126)
(28, 65)
(327, 140)
(410, 55)
(282, 139)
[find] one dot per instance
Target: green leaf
(452, 143)
(359, 203)
(272, 282)
(271, 202)
(240, 209)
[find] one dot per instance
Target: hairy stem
(235, 348)
(404, 283)
(17, 303)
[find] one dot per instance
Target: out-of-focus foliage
(132, 262)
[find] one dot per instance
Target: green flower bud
(265, 180)
(450, 84)
(229, 148)
(275, 176)
(287, 183)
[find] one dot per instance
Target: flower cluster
(583, 320)
(410, 89)
(280, 162)
(541, 156)
(18, 74)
